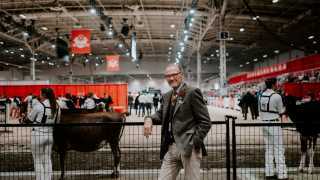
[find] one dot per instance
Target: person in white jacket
(45, 111)
(89, 103)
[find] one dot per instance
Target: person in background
(69, 103)
(148, 104)
(142, 102)
(272, 110)
(44, 111)
(130, 102)
(107, 100)
(136, 103)
(89, 103)
(185, 123)
(28, 99)
(156, 100)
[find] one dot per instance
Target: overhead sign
(113, 63)
(80, 41)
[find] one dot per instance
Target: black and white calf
(305, 116)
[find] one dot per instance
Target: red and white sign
(80, 41)
(113, 63)
(277, 68)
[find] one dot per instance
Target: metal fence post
(228, 154)
(234, 150)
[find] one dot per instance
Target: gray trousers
(173, 162)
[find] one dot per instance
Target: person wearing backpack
(44, 111)
(272, 110)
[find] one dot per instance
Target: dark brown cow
(87, 138)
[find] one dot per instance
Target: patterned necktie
(174, 98)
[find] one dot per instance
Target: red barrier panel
(305, 63)
(301, 64)
(118, 92)
(302, 89)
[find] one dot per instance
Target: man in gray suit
(185, 123)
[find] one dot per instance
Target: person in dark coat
(136, 103)
(130, 102)
(185, 123)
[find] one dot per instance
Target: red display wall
(300, 64)
(118, 92)
(302, 89)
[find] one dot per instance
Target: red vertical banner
(80, 41)
(113, 63)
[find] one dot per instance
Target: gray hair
(176, 65)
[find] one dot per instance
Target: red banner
(113, 63)
(80, 41)
(269, 71)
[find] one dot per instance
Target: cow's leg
(304, 147)
(114, 144)
(302, 161)
(313, 141)
(62, 156)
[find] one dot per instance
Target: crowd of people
(143, 103)
(90, 102)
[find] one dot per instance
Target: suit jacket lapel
(178, 104)
(166, 104)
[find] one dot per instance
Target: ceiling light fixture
(22, 16)
(93, 11)
(241, 29)
(255, 59)
(314, 42)
(255, 18)
(110, 33)
(44, 28)
(172, 25)
(275, 1)
(241, 65)
(276, 51)
(265, 56)
(247, 62)
(311, 37)
(171, 35)
(192, 11)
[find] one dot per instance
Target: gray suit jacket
(191, 121)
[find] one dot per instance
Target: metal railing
(235, 151)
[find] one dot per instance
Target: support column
(71, 74)
(223, 59)
(223, 70)
(91, 79)
(198, 68)
(33, 69)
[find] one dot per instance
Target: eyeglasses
(171, 75)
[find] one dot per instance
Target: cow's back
(74, 134)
